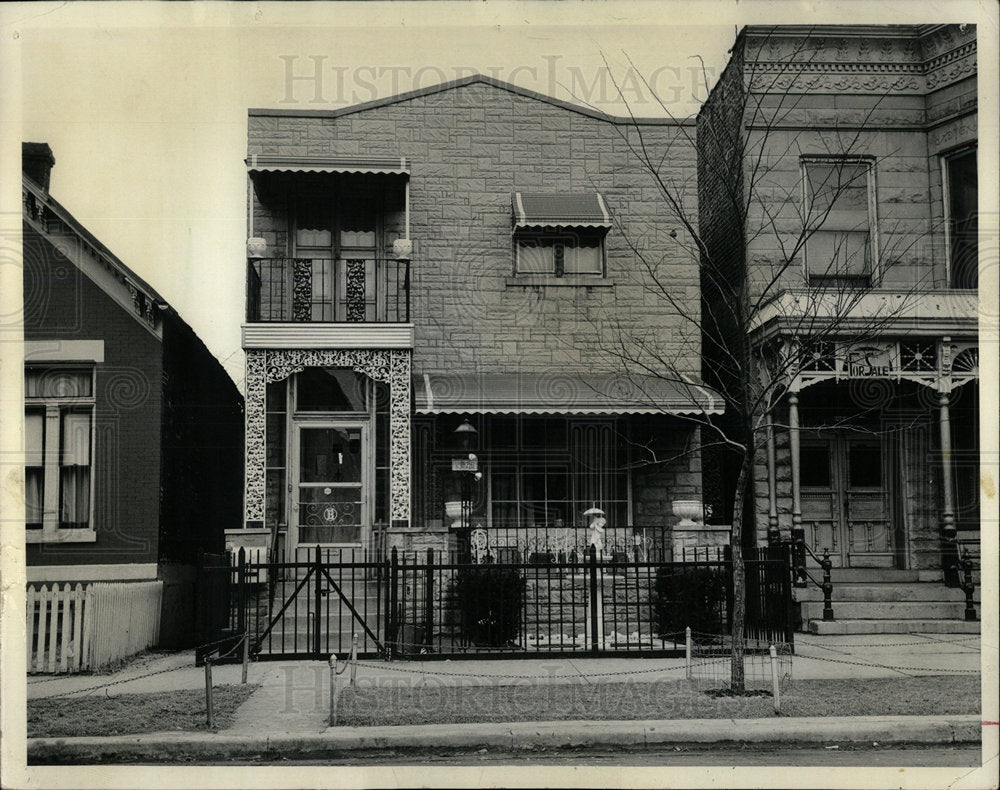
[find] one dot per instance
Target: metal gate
(437, 605)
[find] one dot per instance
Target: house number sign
(464, 464)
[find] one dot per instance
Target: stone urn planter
(256, 247)
(453, 510)
(689, 511)
(402, 249)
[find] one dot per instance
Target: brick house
(434, 283)
(132, 428)
(862, 230)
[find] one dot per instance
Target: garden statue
(595, 536)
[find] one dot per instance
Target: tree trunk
(738, 679)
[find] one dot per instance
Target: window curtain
(34, 468)
(75, 470)
(57, 383)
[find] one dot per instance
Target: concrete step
(873, 575)
(887, 610)
(839, 627)
(885, 592)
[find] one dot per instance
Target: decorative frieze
(388, 366)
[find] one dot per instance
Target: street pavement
(290, 708)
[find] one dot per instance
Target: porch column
(773, 533)
(793, 443)
(948, 531)
(399, 437)
(253, 424)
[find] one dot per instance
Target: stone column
(253, 424)
(793, 443)
(948, 531)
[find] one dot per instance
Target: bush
(489, 599)
(690, 597)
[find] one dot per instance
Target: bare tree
(748, 203)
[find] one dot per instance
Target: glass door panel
(331, 501)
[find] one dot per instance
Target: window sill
(60, 536)
(569, 281)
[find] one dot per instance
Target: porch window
(839, 218)
(332, 390)
(59, 438)
(962, 185)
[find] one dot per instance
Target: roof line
(89, 238)
(462, 82)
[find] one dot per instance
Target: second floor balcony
(351, 290)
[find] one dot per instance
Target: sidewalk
(289, 710)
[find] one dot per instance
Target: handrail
(799, 550)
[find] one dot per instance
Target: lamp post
(467, 468)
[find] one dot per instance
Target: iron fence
(436, 604)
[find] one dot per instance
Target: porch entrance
(847, 498)
(331, 469)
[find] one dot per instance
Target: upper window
(962, 185)
(559, 234)
(58, 444)
(841, 240)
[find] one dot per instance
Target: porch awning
(560, 393)
(560, 210)
(259, 163)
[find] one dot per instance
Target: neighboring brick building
(852, 151)
(446, 272)
(132, 428)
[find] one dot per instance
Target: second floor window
(559, 234)
(841, 246)
(560, 253)
(962, 184)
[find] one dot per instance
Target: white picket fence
(73, 627)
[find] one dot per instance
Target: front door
(846, 504)
(330, 500)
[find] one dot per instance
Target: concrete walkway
(293, 697)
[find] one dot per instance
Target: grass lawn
(399, 704)
(131, 714)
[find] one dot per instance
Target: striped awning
(560, 393)
(260, 163)
(560, 210)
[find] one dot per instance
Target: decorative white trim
(60, 536)
(134, 571)
(313, 335)
(63, 351)
(388, 366)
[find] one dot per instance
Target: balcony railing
(349, 290)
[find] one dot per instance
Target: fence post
(592, 558)
(429, 602)
(775, 683)
(968, 587)
(317, 586)
(354, 659)
(827, 564)
(241, 566)
(799, 556)
(333, 689)
(246, 655)
(687, 652)
(393, 602)
(209, 702)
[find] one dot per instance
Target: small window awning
(259, 163)
(560, 210)
(560, 393)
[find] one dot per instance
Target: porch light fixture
(465, 432)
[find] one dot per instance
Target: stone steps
(837, 627)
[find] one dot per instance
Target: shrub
(489, 599)
(690, 597)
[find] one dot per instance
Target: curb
(515, 736)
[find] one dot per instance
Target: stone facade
(902, 99)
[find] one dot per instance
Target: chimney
(36, 163)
